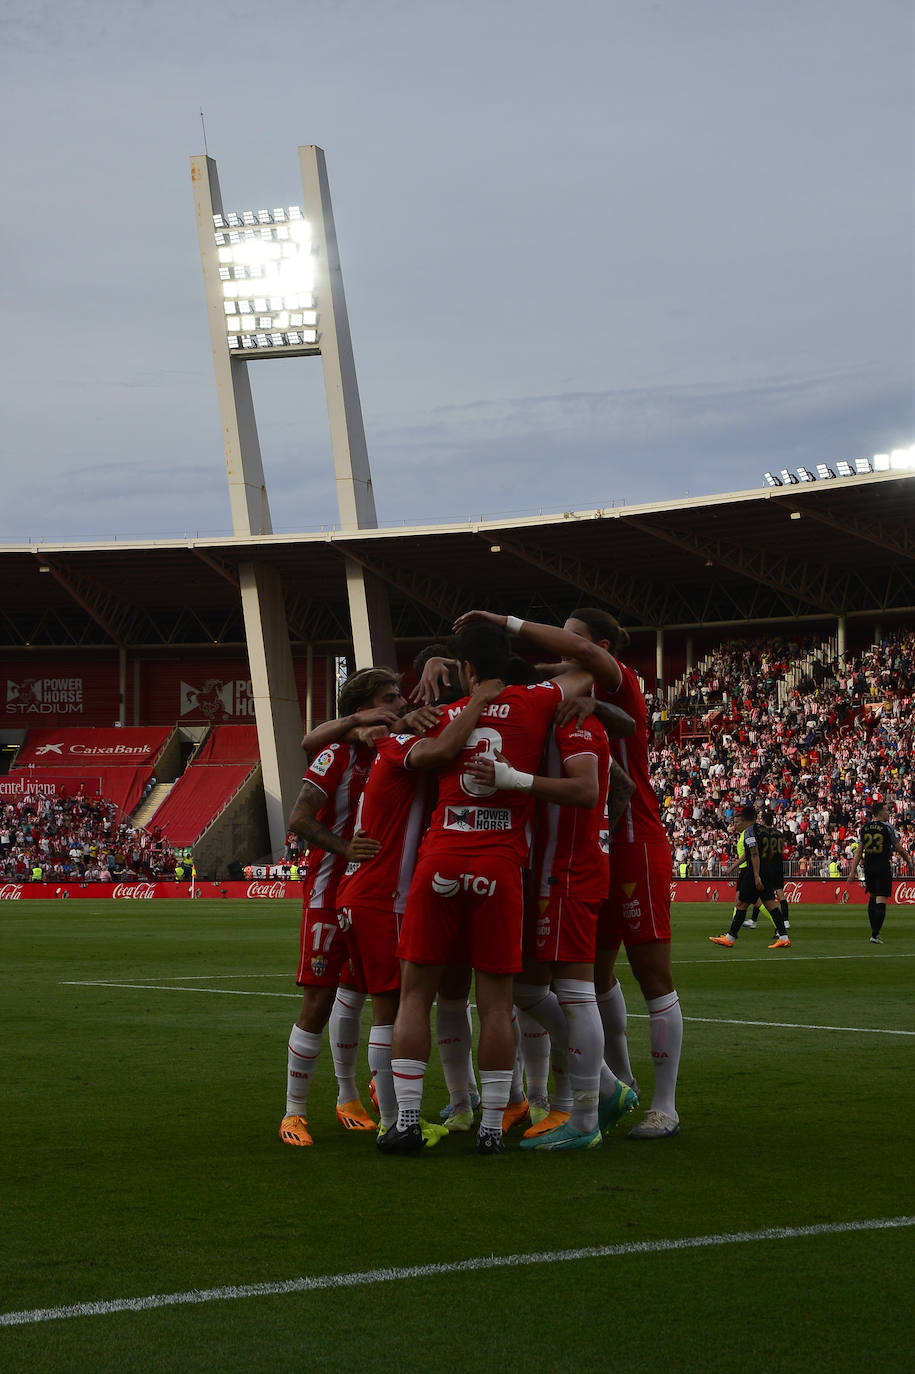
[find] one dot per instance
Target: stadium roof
(816, 550)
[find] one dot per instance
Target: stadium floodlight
(862, 465)
(824, 472)
(902, 458)
(788, 478)
(881, 462)
(267, 270)
(805, 475)
(772, 480)
(844, 469)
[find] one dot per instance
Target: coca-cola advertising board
(138, 891)
(805, 891)
(798, 891)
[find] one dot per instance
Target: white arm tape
(513, 624)
(509, 779)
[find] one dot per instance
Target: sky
(606, 252)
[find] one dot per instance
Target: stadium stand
(817, 743)
(225, 761)
(116, 764)
(78, 839)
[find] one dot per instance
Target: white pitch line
(783, 1025)
(160, 987)
(640, 1016)
(793, 958)
(423, 1271)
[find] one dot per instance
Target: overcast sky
(603, 251)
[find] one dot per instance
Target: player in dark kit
(752, 880)
(877, 843)
(772, 864)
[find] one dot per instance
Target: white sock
(586, 1048)
(516, 1092)
(301, 1062)
(408, 1085)
(542, 1005)
(380, 1068)
(495, 1085)
(535, 1055)
(453, 1034)
(344, 1028)
(665, 1030)
(612, 1008)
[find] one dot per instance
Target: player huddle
(508, 829)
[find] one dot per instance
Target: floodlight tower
(274, 289)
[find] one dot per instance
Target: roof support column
(276, 701)
(373, 637)
(659, 659)
(279, 721)
(841, 633)
(122, 685)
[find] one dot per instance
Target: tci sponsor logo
(266, 890)
(905, 893)
(134, 890)
(10, 892)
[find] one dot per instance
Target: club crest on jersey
(319, 966)
(603, 840)
(322, 762)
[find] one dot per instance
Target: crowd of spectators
(816, 746)
(841, 737)
(78, 839)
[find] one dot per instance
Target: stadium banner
(798, 891)
(15, 786)
(74, 748)
(215, 691)
(136, 890)
(67, 692)
(810, 891)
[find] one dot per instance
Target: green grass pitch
(140, 1156)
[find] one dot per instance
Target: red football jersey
(640, 820)
(471, 816)
(340, 771)
(572, 843)
(393, 809)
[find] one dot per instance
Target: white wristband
(510, 780)
(513, 624)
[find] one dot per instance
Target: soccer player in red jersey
(344, 1027)
(394, 809)
(324, 815)
(570, 883)
(466, 895)
(638, 910)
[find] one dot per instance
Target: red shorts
(559, 930)
(637, 911)
(372, 933)
(324, 954)
(464, 909)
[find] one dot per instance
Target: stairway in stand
(151, 803)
